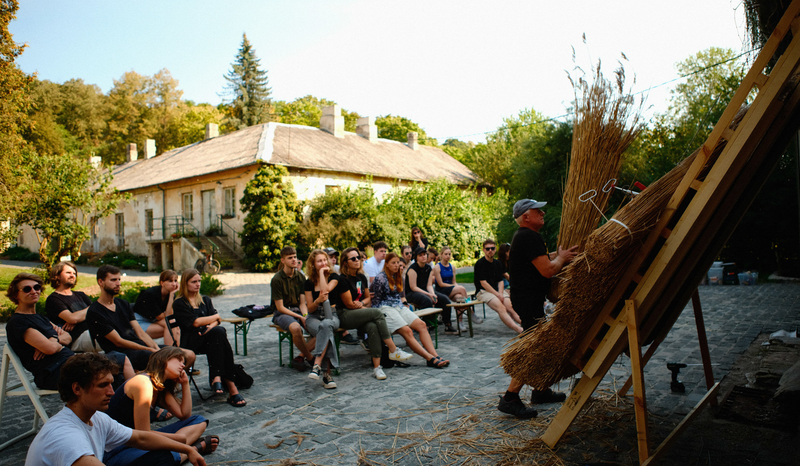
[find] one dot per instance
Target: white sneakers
(463, 326)
(379, 374)
(476, 319)
(400, 355)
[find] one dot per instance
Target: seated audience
(388, 298)
(444, 282)
(133, 401)
(154, 306)
(502, 256)
(80, 435)
(417, 240)
(201, 333)
(489, 286)
(113, 326)
(289, 305)
(374, 265)
(433, 256)
(420, 292)
(333, 255)
(405, 259)
(67, 308)
(317, 286)
(352, 300)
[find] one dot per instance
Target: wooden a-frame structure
(706, 207)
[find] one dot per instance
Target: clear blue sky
(455, 67)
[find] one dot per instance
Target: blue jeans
(129, 456)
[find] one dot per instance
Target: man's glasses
(354, 259)
(27, 289)
(491, 248)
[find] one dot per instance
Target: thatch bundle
(606, 123)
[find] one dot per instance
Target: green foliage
(342, 218)
(210, 286)
(247, 87)
(273, 214)
(18, 253)
(397, 128)
(307, 111)
(129, 291)
(124, 260)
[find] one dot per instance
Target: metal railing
(176, 226)
(230, 236)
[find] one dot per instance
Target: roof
(295, 146)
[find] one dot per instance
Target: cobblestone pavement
(417, 414)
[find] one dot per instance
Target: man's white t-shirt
(372, 267)
(64, 439)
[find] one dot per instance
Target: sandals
(217, 388)
(158, 414)
(237, 401)
(438, 363)
(206, 445)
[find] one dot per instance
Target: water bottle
(326, 305)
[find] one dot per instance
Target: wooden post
(701, 338)
(637, 372)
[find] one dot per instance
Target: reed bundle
(607, 120)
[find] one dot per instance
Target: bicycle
(207, 264)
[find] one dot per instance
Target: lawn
(467, 277)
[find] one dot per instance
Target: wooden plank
(637, 372)
(682, 426)
(701, 338)
(610, 340)
(571, 407)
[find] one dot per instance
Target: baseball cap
(331, 251)
(524, 205)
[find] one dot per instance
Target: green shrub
(129, 291)
(6, 309)
(124, 260)
(210, 286)
(18, 253)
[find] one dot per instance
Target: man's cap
(331, 251)
(419, 251)
(524, 205)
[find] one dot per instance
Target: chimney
(412, 140)
(96, 160)
(332, 121)
(149, 148)
(212, 130)
(365, 127)
(131, 154)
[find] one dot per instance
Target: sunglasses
(354, 259)
(27, 289)
(490, 248)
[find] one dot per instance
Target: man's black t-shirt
(527, 283)
(355, 285)
(57, 303)
(492, 272)
(150, 303)
(423, 275)
(102, 321)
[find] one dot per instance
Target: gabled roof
(294, 146)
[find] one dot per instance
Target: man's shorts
(485, 296)
(285, 320)
(397, 317)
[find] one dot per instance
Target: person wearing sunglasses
(352, 300)
(489, 286)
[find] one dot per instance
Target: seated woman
(132, 402)
(201, 333)
(388, 289)
(352, 300)
(319, 282)
(41, 346)
(417, 240)
(419, 289)
(444, 282)
(154, 305)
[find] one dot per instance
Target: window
(230, 202)
(188, 207)
(148, 222)
(120, 221)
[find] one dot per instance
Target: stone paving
(417, 414)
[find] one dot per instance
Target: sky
(457, 68)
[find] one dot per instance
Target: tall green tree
(307, 111)
(247, 87)
(396, 128)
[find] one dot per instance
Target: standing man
(79, 435)
(488, 280)
(67, 308)
(374, 265)
(531, 268)
(289, 304)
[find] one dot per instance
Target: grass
(467, 277)
(8, 273)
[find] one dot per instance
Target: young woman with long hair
(417, 239)
(444, 282)
(319, 283)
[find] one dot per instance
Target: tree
(397, 128)
(342, 218)
(273, 214)
(247, 86)
(308, 110)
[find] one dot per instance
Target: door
(209, 210)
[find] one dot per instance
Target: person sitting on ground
(133, 401)
(154, 306)
(444, 282)
(319, 283)
(388, 298)
(433, 256)
(352, 300)
(489, 286)
(80, 434)
(502, 256)
(374, 265)
(113, 326)
(201, 332)
(420, 292)
(417, 240)
(67, 308)
(289, 305)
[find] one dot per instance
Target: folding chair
(170, 322)
(10, 358)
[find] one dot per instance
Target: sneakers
(299, 363)
(547, 396)
(327, 380)
(516, 408)
(476, 319)
(449, 330)
(400, 355)
(314, 374)
(349, 340)
(379, 374)
(463, 326)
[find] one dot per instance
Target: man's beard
(69, 285)
(111, 291)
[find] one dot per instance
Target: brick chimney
(366, 128)
(131, 154)
(149, 148)
(212, 130)
(412, 140)
(332, 121)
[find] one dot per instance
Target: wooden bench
(287, 336)
(240, 325)
(461, 308)
(428, 311)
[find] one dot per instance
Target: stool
(240, 325)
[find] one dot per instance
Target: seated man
(79, 435)
(289, 305)
(374, 265)
(114, 327)
(489, 286)
(67, 308)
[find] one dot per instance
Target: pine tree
(247, 87)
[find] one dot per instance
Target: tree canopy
(247, 88)
(396, 128)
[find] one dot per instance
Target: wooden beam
(701, 338)
(637, 372)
